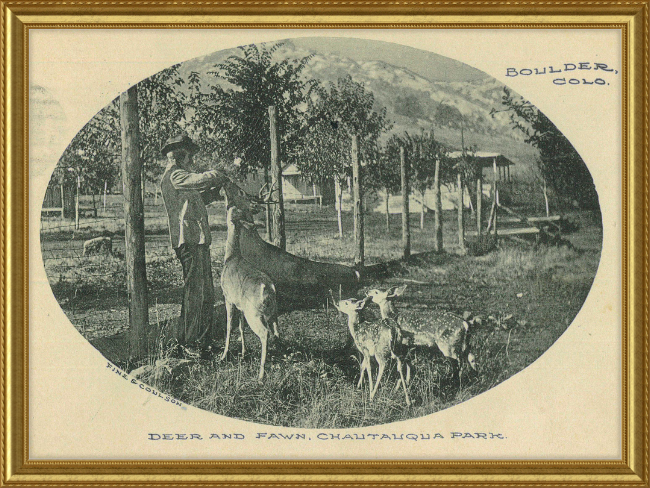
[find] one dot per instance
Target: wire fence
(91, 288)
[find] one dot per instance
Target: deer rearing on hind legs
(378, 339)
(447, 331)
(247, 289)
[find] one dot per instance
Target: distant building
(295, 187)
(449, 193)
(487, 161)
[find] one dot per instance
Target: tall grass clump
(514, 262)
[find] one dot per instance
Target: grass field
(526, 296)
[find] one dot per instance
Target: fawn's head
(384, 298)
(351, 306)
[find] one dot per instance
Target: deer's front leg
(230, 310)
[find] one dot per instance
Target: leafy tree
(424, 154)
(448, 116)
(233, 121)
(409, 106)
(559, 163)
(470, 170)
(95, 152)
(162, 107)
(383, 173)
(90, 158)
(336, 113)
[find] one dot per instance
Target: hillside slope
(451, 96)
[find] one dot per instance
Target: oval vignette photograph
(318, 232)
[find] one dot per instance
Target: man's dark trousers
(196, 323)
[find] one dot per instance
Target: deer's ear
(360, 305)
(399, 291)
(336, 305)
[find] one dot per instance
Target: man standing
(189, 231)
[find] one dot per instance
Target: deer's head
(351, 306)
(380, 297)
(236, 215)
(385, 298)
(248, 206)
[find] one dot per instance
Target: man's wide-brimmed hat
(181, 141)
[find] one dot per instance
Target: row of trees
(226, 113)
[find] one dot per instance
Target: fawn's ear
(396, 291)
(360, 305)
(372, 292)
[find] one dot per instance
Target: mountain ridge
(413, 102)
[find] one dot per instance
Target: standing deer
(246, 289)
(378, 339)
(449, 332)
(300, 282)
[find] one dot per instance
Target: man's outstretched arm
(184, 180)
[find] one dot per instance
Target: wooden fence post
(339, 203)
(76, 204)
(406, 190)
(461, 204)
(358, 210)
(62, 201)
(437, 218)
(280, 237)
(267, 210)
(495, 195)
(143, 184)
(479, 205)
(134, 223)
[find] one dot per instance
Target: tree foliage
(95, 152)
(92, 156)
(232, 121)
(560, 164)
(422, 151)
(162, 114)
(336, 112)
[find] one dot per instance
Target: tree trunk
(134, 223)
(495, 194)
(461, 205)
(142, 186)
(338, 190)
(106, 191)
(358, 207)
(422, 210)
(267, 213)
(279, 234)
(437, 217)
(544, 189)
(479, 205)
(62, 202)
(387, 212)
(406, 230)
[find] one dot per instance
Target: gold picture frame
(19, 17)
